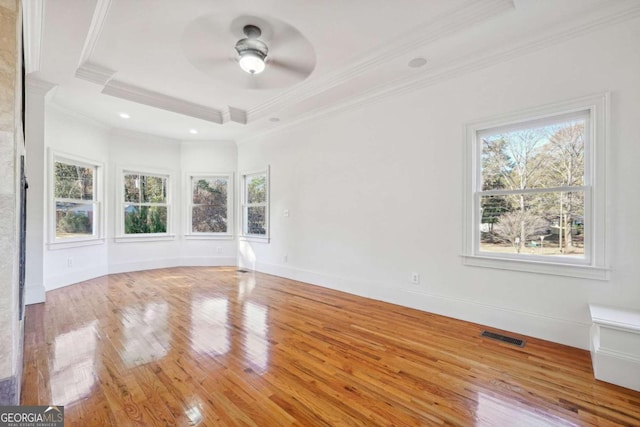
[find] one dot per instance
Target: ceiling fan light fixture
(252, 51)
(252, 62)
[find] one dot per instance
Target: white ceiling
(172, 65)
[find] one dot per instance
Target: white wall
(209, 158)
(118, 149)
(75, 136)
(376, 193)
(142, 153)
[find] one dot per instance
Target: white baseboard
(35, 295)
(208, 261)
(153, 264)
(563, 331)
(74, 276)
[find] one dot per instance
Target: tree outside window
(255, 204)
(145, 203)
(74, 199)
(531, 193)
(209, 204)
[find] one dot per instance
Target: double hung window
(535, 190)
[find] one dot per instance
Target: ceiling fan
(252, 50)
(273, 53)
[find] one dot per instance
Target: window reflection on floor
(209, 332)
(146, 335)
(494, 411)
(256, 344)
(245, 287)
(72, 373)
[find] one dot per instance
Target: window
(209, 205)
(535, 195)
(255, 205)
(145, 203)
(76, 209)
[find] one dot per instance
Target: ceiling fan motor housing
(251, 44)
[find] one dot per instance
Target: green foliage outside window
(145, 219)
(145, 209)
(74, 199)
(256, 210)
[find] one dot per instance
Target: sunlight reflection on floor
(73, 369)
(501, 412)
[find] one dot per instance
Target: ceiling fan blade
(212, 62)
(283, 36)
(255, 83)
(299, 70)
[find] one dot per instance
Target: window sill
(555, 269)
(74, 244)
(257, 239)
(144, 238)
(204, 236)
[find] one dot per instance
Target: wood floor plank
(214, 347)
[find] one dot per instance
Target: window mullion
(533, 191)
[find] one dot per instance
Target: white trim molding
(244, 206)
(188, 206)
(595, 262)
(94, 73)
(563, 331)
(32, 18)
(170, 176)
(615, 345)
(97, 24)
(36, 86)
(97, 236)
(158, 100)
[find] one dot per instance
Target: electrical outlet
(219, 249)
(415, 278)
(285, 258)
(69, 262)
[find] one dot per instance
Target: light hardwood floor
(212, 346)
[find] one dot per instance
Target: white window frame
(594, 265)
(264, 238)
(188, 191)
(98, 216)
(121, 237)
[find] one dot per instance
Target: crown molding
(456, 68)
(237, 115)
(484, 59)
(466, 15)
(94, 73)
(32, 21)
(144, 136)
(37, 86)
(91, 121)
(95, 29)
(154, 99)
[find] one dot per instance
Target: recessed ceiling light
(124, 115)
(274, 119)
(193, 131)
(417, 62)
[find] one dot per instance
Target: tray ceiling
(172, 65)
